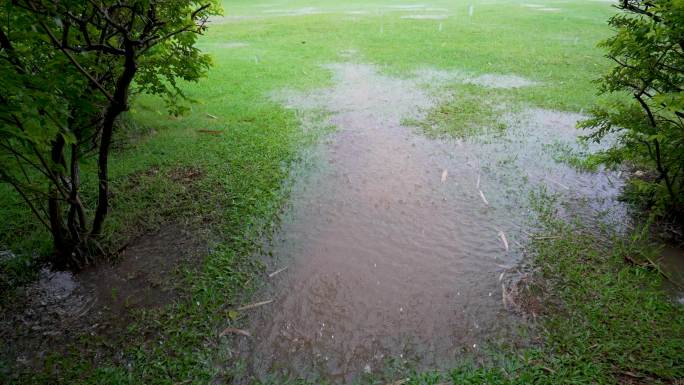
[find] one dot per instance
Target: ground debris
(210, 132)
(241, 332)
(254, 305)
(502, 235)
(483, 198)
(273, 274)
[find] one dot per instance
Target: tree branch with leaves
(68, 69)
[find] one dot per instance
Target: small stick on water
(277, 272)
(558, 183)
(253, 305)
(503, 239)
(501, 276)
(445, 174)
(241, 332)
(483, 197)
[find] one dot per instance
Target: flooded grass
(468, 111)
(498, 72)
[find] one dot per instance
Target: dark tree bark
(118, 105)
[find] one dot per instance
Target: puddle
(406, 7)
(294, 12)
(427, 76)
(500, 81)
(395, 246)
(61, 306)
(425, 17)
(672, 263)
(233, 44)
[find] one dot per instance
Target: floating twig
(241, 332)
(503, 240)
(558, 183)
(277, 272)
(254, 305)
(483, 197)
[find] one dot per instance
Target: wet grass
(469, 111)
(613, 319)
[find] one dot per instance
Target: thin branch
(56, 43)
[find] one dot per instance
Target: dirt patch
(61, 306)
(186, 174)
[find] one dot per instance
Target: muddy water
(672, 262)
(395, 247)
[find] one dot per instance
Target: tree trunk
(62, 245)
(116, 106)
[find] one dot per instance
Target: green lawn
(627, 328)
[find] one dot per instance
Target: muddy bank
(61, 307)
(398, 245)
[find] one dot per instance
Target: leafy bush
(648, 47)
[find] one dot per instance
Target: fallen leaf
(232, 314)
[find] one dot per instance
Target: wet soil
(61, 306)
(396, 246)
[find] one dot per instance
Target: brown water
(672, 264)
(395, 246)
